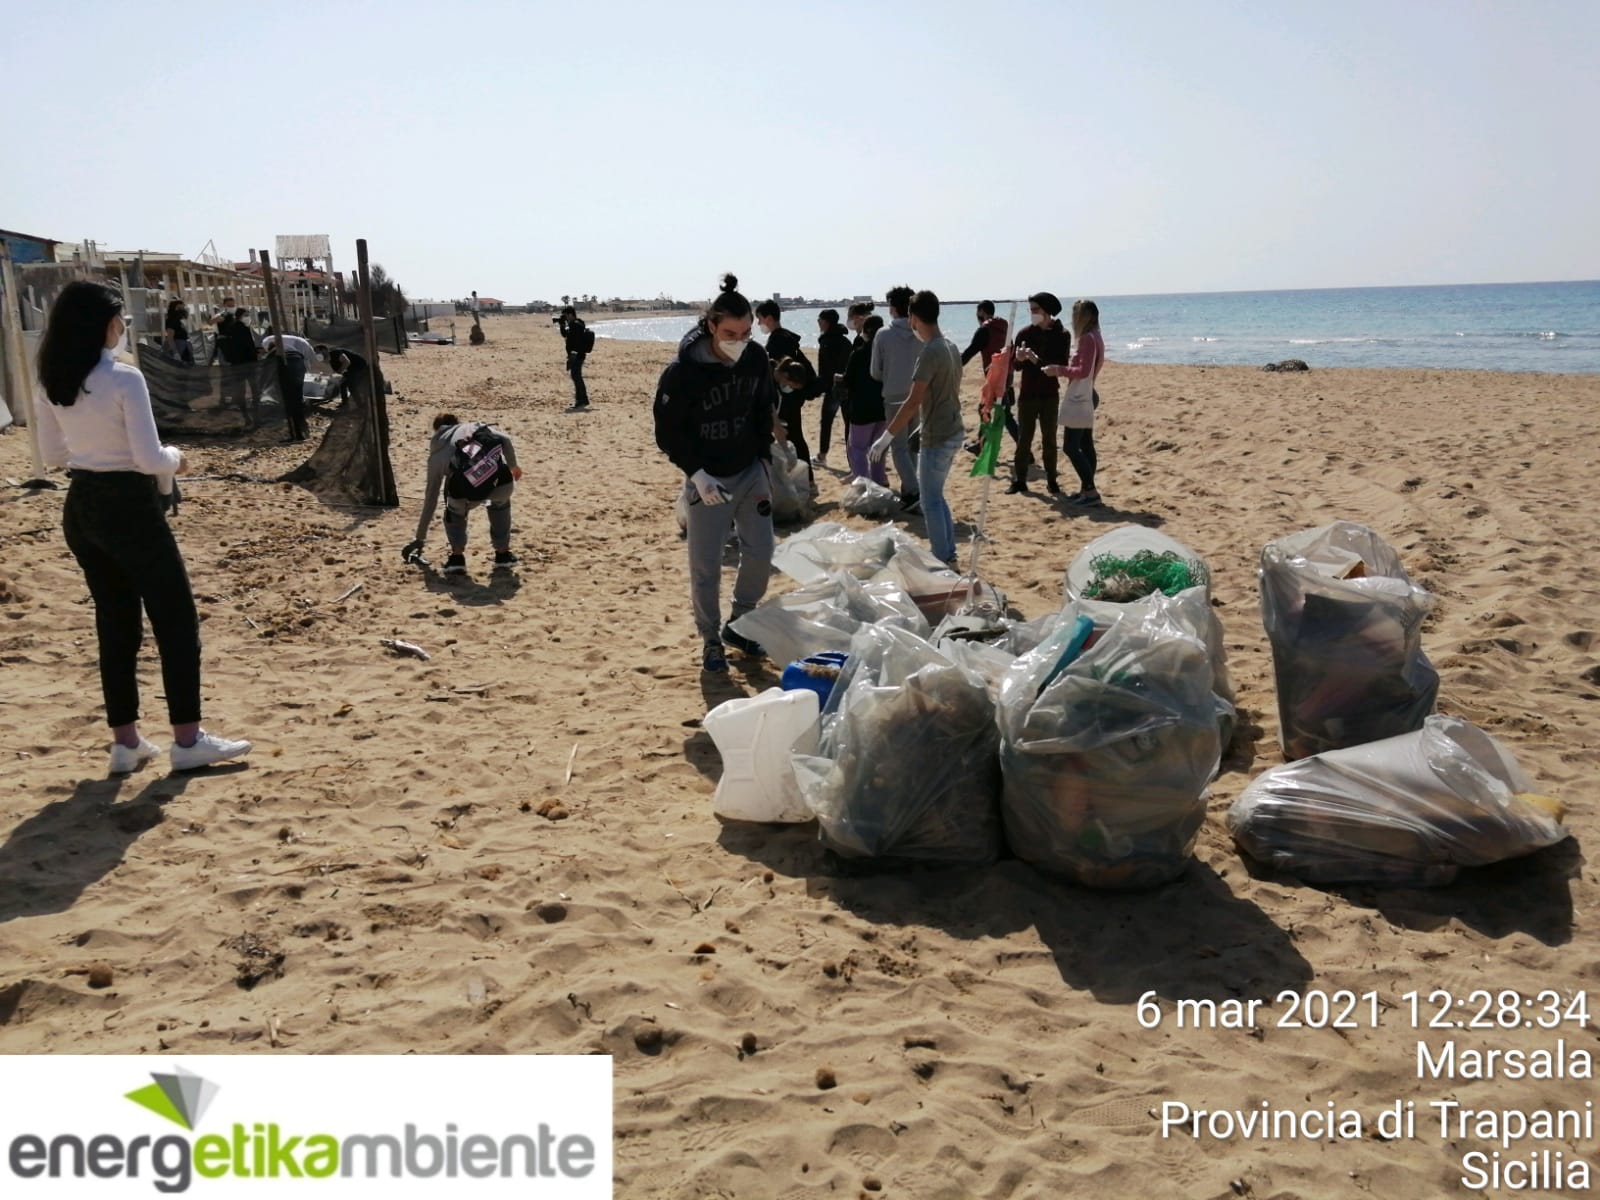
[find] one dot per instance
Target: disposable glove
(880, 447)
(711, 492)
(412, 552)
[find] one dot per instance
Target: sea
(1551, 327)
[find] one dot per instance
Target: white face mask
(785, 389)
(1041, 319)
(733, 351)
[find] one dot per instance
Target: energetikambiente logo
(284, 1150)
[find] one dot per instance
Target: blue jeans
(933, 467)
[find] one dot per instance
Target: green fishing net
(1120, 579)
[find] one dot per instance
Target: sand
(388, 873)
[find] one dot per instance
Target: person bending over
(472, 463)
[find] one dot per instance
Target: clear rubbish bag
(791, 485)
(864, 498)
(825, 614)
(1106, 750)
(906, 767)
(1088, 574)
(827, 546)
(1345, 623)
(1408, 811)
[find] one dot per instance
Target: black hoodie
(833, 356)
(711, 415)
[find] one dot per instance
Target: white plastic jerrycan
(755, 736)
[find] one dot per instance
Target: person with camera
(579, 341)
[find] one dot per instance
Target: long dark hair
(74, 338)
(729, 303)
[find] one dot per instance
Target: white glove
(879, 448)
(711, 492)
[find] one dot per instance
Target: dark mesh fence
(216, 399)
(347, 335)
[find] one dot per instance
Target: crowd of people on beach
(723, 401)
(720, 406)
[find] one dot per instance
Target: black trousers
(293, 377)
(1079, 445)
(580, 390)
(115, 529)
(830, 409)
(790, 409)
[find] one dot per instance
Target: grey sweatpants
(455, 519)
(905, 458)
(750, 512)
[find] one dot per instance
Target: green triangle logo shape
(153, 1097)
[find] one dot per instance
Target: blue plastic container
(816, 672)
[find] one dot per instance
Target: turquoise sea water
(1487, 327)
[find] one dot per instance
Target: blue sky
(529, 150)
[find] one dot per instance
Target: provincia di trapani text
(1456, 1045)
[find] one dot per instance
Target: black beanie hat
(1046, 301)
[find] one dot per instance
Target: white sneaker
(208, 748)
(131, 758)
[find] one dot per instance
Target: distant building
(26, 248)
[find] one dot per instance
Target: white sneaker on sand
(131, 758)
(208, 748)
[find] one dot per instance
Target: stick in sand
(571, 758)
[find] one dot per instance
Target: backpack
(477, 466)
(586, 341)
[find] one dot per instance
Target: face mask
(785, 389)
(1041, 319)
(732, 351)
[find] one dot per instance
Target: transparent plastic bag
(1408, 810)
(906, 766)
(1125, 541)
(791, 485)
(825, 614)
(827, 546)
(1106, 764)
(1345, 623)
(938, 591)
(864, 498)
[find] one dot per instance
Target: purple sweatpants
(856, 447)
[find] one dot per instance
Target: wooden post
(19, 388)
(380, 406)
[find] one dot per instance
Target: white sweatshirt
(108, 428)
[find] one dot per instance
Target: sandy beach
(405, 864)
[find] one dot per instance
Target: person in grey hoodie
(894, 357)
(716, 415)
(448, 432)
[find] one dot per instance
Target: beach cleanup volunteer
(98, 424)
(716, 415)
(462, 495)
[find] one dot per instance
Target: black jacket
(782, 344)
(1053, 344)
(711, 415)
(863, 395)
(238, 344)
(573, 331)
(833, 356)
